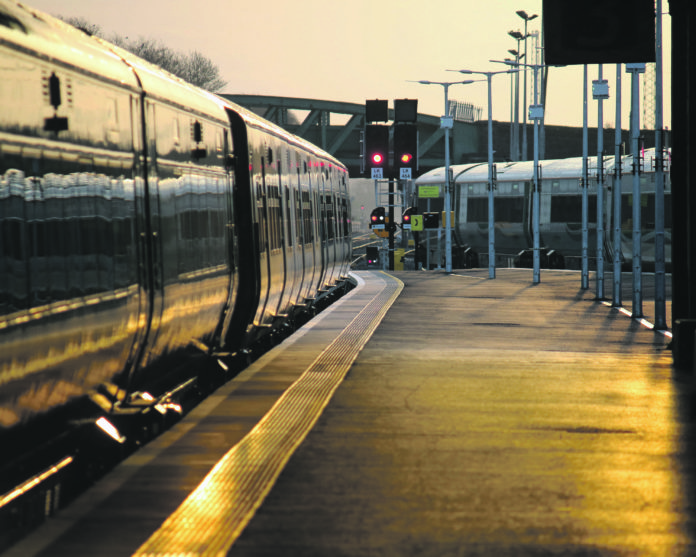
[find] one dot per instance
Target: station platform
(422, 414)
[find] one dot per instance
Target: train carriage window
(329, 216)
(507, 209)
(288, 221)
(176, 133)
(568, 208)
(298, 218)
(308, 228)
(647, 211)
(260, 219)
(346, 219)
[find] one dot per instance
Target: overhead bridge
(336, 127)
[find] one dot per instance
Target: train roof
(524, 170)
(42, 35)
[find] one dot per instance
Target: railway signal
(372, 256)
(377, 149)
(378, 218)
(406, 150)
(431, 220)
(406, 218)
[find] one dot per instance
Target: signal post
(377, 159)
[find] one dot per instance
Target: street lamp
(514, 108)
(491, 214)
(515, 154)
(527, 19)
(446, 123)
(538, 114)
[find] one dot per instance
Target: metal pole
(544, 85)
(524, 107)
(448, 202)
(585, 280)
(635, 124)
(600, 195)
(491, 211)
(427, 242)
(391, 224)
(516, 156)
(536, 278)
(660, 299)
(616, 298)
(512, 115)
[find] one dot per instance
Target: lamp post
(515, 154)
(537, 113)
(514, 108)
(527, 19)
(447, 122)
(491, 184)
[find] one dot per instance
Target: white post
(635, 71)
(448, 202)
(585, 280)
(616, 298)
(600, 195)
(491, 211)
(660, 304)
(535, 198)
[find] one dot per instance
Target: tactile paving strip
(213, 516)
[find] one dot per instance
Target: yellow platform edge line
(214, 515)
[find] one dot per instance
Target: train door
(222, 338)
(323, 231)
(308, 235)
(279, 242)
(144, 149)
(245, 234)
(300, 262)
(261, 207)
(149, 239)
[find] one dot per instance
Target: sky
(358, 50)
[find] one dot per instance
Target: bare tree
(199, 70)
(193, 67)
(156, 53)
(83, 25)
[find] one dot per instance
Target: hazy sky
(355, 50)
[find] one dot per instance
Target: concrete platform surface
(424, 414)
(494, 417)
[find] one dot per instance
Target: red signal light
(377, 158)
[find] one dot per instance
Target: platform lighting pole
(600, 182)
(527, 19)
(537, 112)
(660, 303)
(585, 280)
(515, 155)
(446, 123)
(491, 173)
(536, 209)
(635, 70)
(512, 106)
(616, 298)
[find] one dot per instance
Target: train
(560, 216)
(148, 229)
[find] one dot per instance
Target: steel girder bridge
(337, 128)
